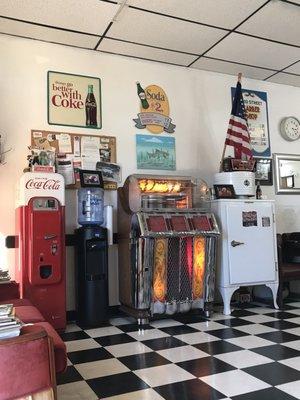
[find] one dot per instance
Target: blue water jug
(90, 206)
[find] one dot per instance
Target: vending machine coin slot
(45, 271)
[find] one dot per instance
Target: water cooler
(92, 251)
(40, 250)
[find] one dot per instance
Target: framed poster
(74, 100)
(154, 152)
(256, 104)
(264, 172)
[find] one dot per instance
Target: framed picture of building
(74, 100)
(264, 171)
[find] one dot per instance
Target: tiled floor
(252, 355)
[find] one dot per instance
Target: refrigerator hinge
(273, 218)
(276, 266)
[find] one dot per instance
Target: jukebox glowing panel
(166, 247)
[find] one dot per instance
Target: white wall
(199, 103)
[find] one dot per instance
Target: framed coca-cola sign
(74, 100)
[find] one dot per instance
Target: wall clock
(290, 128)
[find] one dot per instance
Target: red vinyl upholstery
(60, 351)
(16, 302)
(26, 364)
(28, 314)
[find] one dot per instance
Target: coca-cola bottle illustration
(142, 95)
(90, 108)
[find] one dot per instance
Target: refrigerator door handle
(234, 243)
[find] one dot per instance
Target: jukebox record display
(156, 223)
(179, 223)
(202, 223)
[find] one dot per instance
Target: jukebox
(167, 246)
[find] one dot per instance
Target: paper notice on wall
(64, 143)
(77, 146)
(42, 143)
(37, 134)
(64, 167)
(77, 165)
(90, 152)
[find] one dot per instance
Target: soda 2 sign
(155, 110)
(74, 100)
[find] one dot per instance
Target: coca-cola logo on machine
(74, 100)
(43, 183)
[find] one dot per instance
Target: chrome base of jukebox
(170, 271)
(167, 259)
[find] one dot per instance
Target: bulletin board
(89, 149)
(105, 143)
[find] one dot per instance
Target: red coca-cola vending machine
(40, 252)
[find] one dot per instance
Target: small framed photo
(264, 172)
(224, 192)
(90, 178)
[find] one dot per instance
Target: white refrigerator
(247, 253)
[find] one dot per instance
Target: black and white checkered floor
(252, 354)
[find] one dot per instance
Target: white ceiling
(260, 38)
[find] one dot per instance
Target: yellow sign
(155, 110)
(157, 186)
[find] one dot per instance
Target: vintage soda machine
(92, 240)
(40, 252)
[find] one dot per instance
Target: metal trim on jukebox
(170, 265)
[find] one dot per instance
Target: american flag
(237, 133)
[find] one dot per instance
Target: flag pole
(224, 148)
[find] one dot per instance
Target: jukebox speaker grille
(186, 269)
(173, 273)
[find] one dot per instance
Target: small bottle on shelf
(258, 191)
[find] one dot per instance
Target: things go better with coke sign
(74, 100)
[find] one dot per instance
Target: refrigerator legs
(226, 293)
(274, 288)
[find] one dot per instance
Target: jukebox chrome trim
(139, 234)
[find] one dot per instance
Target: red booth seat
(16, 302)
(26, 364)
(29, 314)
(60, 350)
